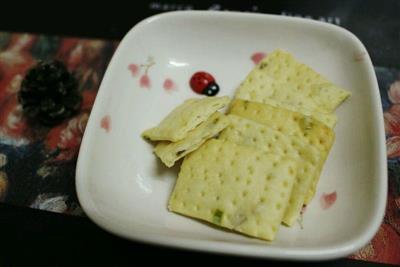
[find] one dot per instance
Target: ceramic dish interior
(124, 188)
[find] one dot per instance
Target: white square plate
(122, 186)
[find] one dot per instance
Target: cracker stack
(270, 151)
(187, 127)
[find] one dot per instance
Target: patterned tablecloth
(37, 164)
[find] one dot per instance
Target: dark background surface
(38, 238)
(375, 22)
(35, 237)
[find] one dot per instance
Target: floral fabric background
(37, 165)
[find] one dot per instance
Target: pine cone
(49, 93)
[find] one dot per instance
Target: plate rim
(254, 250)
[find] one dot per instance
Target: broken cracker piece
(170, 152)
(184, 118)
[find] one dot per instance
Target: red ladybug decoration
(204, 83)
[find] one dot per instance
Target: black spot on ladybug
(211, 90)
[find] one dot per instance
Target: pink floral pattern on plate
(328, 199)
(135, 69)
(257, 57)
(169, 85)
(360, 56)
(105, 123)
